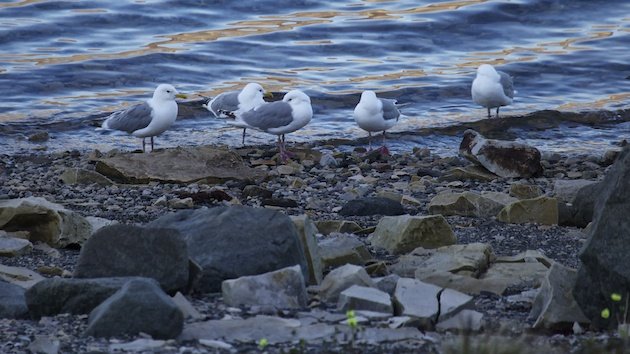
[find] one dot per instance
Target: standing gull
(492, 88)
(229, 104)
(148, 119)
(374, 114)
(280, 117)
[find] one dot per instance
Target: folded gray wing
(508, 85)
(390, 111)
(226, 102)
(271, 115)
(131, 119)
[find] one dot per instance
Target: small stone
(342, 278)
(185, 203)
(14, 247)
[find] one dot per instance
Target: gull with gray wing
(147, 119)
(280, 117)
(492, 88)
(229, 104)
(374, 114)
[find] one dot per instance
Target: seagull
(279, 118)
(147, 119)
(492, 88)
(374, 114)
(228, 104)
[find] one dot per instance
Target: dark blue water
(63, 64)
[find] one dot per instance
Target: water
(65, 64)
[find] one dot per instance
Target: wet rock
(231, 242)
(465, 204)
(465, 320)
(503, 158)
(180, 165)
(525, 191)
(341, 279)
(12, 301)
(126, 250)
(307, 231)
(372, 206)
(140, 306)
(14, 247)
(20, 276)
(39, 136)
(418, 300)
(53, 296)
(554, 306)
(343, 249)
(83, 176)
(281, 289)
(541, 210)
(45, 221)
(327, 227)
(402, 234)
(604, 269)
(365, 298)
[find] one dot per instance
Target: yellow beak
(268, 94)
(181, 95)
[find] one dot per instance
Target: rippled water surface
(65, 64)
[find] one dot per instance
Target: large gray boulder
(503, 158)
(126, 250)
(12, 301)
(140, 306)
(231, 242)
(53, 296)
(604, 268)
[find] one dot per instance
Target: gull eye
(169, 91)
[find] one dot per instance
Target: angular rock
(203, 164)
(341, 279)
(451, 302)
(525, 274)
(54, 296)
(402, 234)
(372, 206)
(541, 210)
(20, 276)
(139, 345)
(464, 204)
(475, 173)
(12, 301)
(503, 158)
(387, 283)
(468, 259)
(604, 269)
(327, 227)
(418, 300)
(525, 191)
(343, 249)
(140, 306)
(14, 247)
(567, 190)
(307, 231)
(187, 309)
(231, 242)
(45, 221)
(126, 250)
(83, 176)
(465, 320)
(554, 307)
(365, 298)
(281, 289)
(44, 345)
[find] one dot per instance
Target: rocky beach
(213, 249)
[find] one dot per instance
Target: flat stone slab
(13, 247)
(179, 165)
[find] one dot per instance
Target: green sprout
(605, 313)
(352, 319)
(615, 297)
(263, 343)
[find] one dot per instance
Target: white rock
(341, 279)
(138, 345)
(365, 298)
(417, 299)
